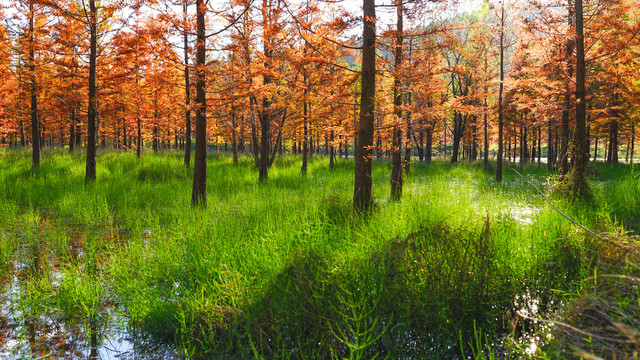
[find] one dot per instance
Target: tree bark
(332, 152)
(429, 146)
(564, 127)
(72, 130)
(305, 129)
(363, 182)
(396, 170)
(234, 137)
(474, 141)
(612, 153)
(199, 193)
(539, 144)
(90, 173)
(35, 120)
(155, 142)
(500, 91)
(486, 95)
(187, 85)
(410, 138)
(581, 155)
(265, 112)
(633, 140)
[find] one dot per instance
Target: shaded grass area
(284, 270)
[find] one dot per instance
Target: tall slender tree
(396, 171)
(564, 125)
(500, 93)
(199, 193)
(187, 86)
(581, 150)
(92, 112)
(35, 120)
(363, 182)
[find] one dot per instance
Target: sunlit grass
(274, 269)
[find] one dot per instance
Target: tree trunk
(534, 141)
(564, 128)
(305, 130)
(22, 136)
(255, 142)
(524, 153)
(500, 91)
(457, 135)
(362, 182)
(633, 140)
(581, 151)
(199, 193)
(421, 145)
(139, 141)
(234, 137)
(486, 136)
(332, 153)
(278, 143)
(539, 144)
(612, 154)
(124, 133)
(265, 119)
(90, 173)
(409, 144)
(396, 170)
(443, 153)
(187, 93)
(72, 130)
(410, 138)
(156, 130)
(474, 142)
(486, 95)
(35, 120)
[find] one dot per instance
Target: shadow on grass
(411, 297)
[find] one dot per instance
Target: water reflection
(37, 320)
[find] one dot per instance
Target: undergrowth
(284, 269)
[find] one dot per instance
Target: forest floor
(125, 268)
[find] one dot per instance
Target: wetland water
(56, 301)
(42, 316)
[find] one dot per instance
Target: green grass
(284, 269)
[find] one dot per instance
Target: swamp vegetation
(462, 267)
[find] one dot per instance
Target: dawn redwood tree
(581, 152)
(92, 112)
(8, 92)
(500, 93)
(396, 170)
(35, 121)
(564, 126)
(67, 45)
(187, 86)
(199, 193)
(271, 31)
(28, 41)
(95, 17)
(265, 113)
(363, 182)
